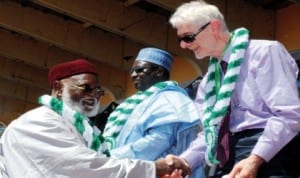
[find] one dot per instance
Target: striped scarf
(216, 103)
(119, 116)
(91, 134)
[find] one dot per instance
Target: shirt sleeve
(156, 141)
(276, 82)
(47, 146)
(195, 154)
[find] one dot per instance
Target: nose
(133, 74)
(183, 44)
(96, 94)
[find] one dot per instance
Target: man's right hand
(175, 174)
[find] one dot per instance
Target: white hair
(197, 13)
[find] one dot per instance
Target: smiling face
(207, 39)
(145, 74)
(82, 93)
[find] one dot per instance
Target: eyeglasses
(88, 89)
(141, 69)
(190, 38)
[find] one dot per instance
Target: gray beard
(78, 106)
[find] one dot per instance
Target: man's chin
(137, 86)
(91, 112)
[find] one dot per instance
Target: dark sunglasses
(190, 38)
(141, 69)
(88, 89)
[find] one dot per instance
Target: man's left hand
(246, 168)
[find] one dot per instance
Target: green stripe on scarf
(216, 105)
(80, 122)
(118, 118)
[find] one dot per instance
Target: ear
(216, 26)
(57, 89)
(159, 72)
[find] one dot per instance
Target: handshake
(172, 167)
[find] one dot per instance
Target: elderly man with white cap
(157, 120)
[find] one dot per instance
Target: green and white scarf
(91, 134)
(216, 103)
(118, 118)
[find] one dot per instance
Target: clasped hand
(172, 167)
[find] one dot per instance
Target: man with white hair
(250, 109)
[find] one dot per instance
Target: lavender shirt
(265, 96)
